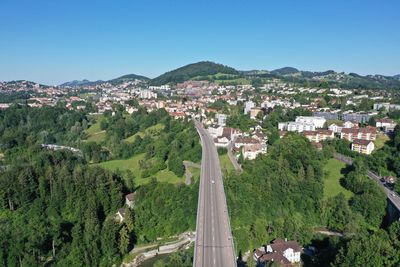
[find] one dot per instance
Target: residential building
(221, 119)
(250, 152)
(130, 200)
(363, 146)
(248, 105)
(120, 215)
(360, 117)
(319, 135)
(350, 134)
(215, 130)
(282, 252)
(226, 137)
(386, 124)
(327, 115)
(242, 141)
(336, 127)
(387, 106)
(319, 122)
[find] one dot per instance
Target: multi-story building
(363, 146)
(319, 122)
(221, 119)
(350, 134)
(319, 135)
(386, 124)
(248, 105)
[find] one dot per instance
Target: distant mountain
(329, 78)
(77, 83)
(195, 70)
(285, 71)
(127, 78)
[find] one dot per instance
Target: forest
(280, 195)
(57, 207)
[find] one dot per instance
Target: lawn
(133, 165)
(153, 130)
(94, 132)
(332, 186)
(196, 173)
(226, 164)
(380, 140)
(97, 137)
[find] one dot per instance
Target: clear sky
(52, 41)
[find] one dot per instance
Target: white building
(363, 146)
(319, 122)
(250, 152)
(302, 124)
(248, 105)
(221, 119)
(293, 126)
(386, 123)
(147, 94)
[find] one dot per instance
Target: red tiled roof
(361, 142)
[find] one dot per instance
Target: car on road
(393, 194)
(212, 181)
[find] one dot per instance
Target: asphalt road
(214, 244)
(391, 195)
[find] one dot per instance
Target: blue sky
(56, 41)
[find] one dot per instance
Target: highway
(214, 243)
(391, 195)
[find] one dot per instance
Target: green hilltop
(195, 70)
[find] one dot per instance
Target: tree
(124, 240)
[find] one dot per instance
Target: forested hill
(128, 77)
(190, 71)
(57, 208)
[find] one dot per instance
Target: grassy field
(94, 132)
(133, 165)
(151, 130)
(196, 174)
(226, 164)
(332, 186)
(380, 140)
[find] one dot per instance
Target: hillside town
(342, 117)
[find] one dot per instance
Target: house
(386, 124)
(177, 115)
(120, 215)
(130, 199)
(363, 146)
(242, 141)
(350, 124)
(252, 151)
(390, 179)
(350, 134)
(259, 135)
(227, 136)
(282, 252)
(215, 130)
(336, 127)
